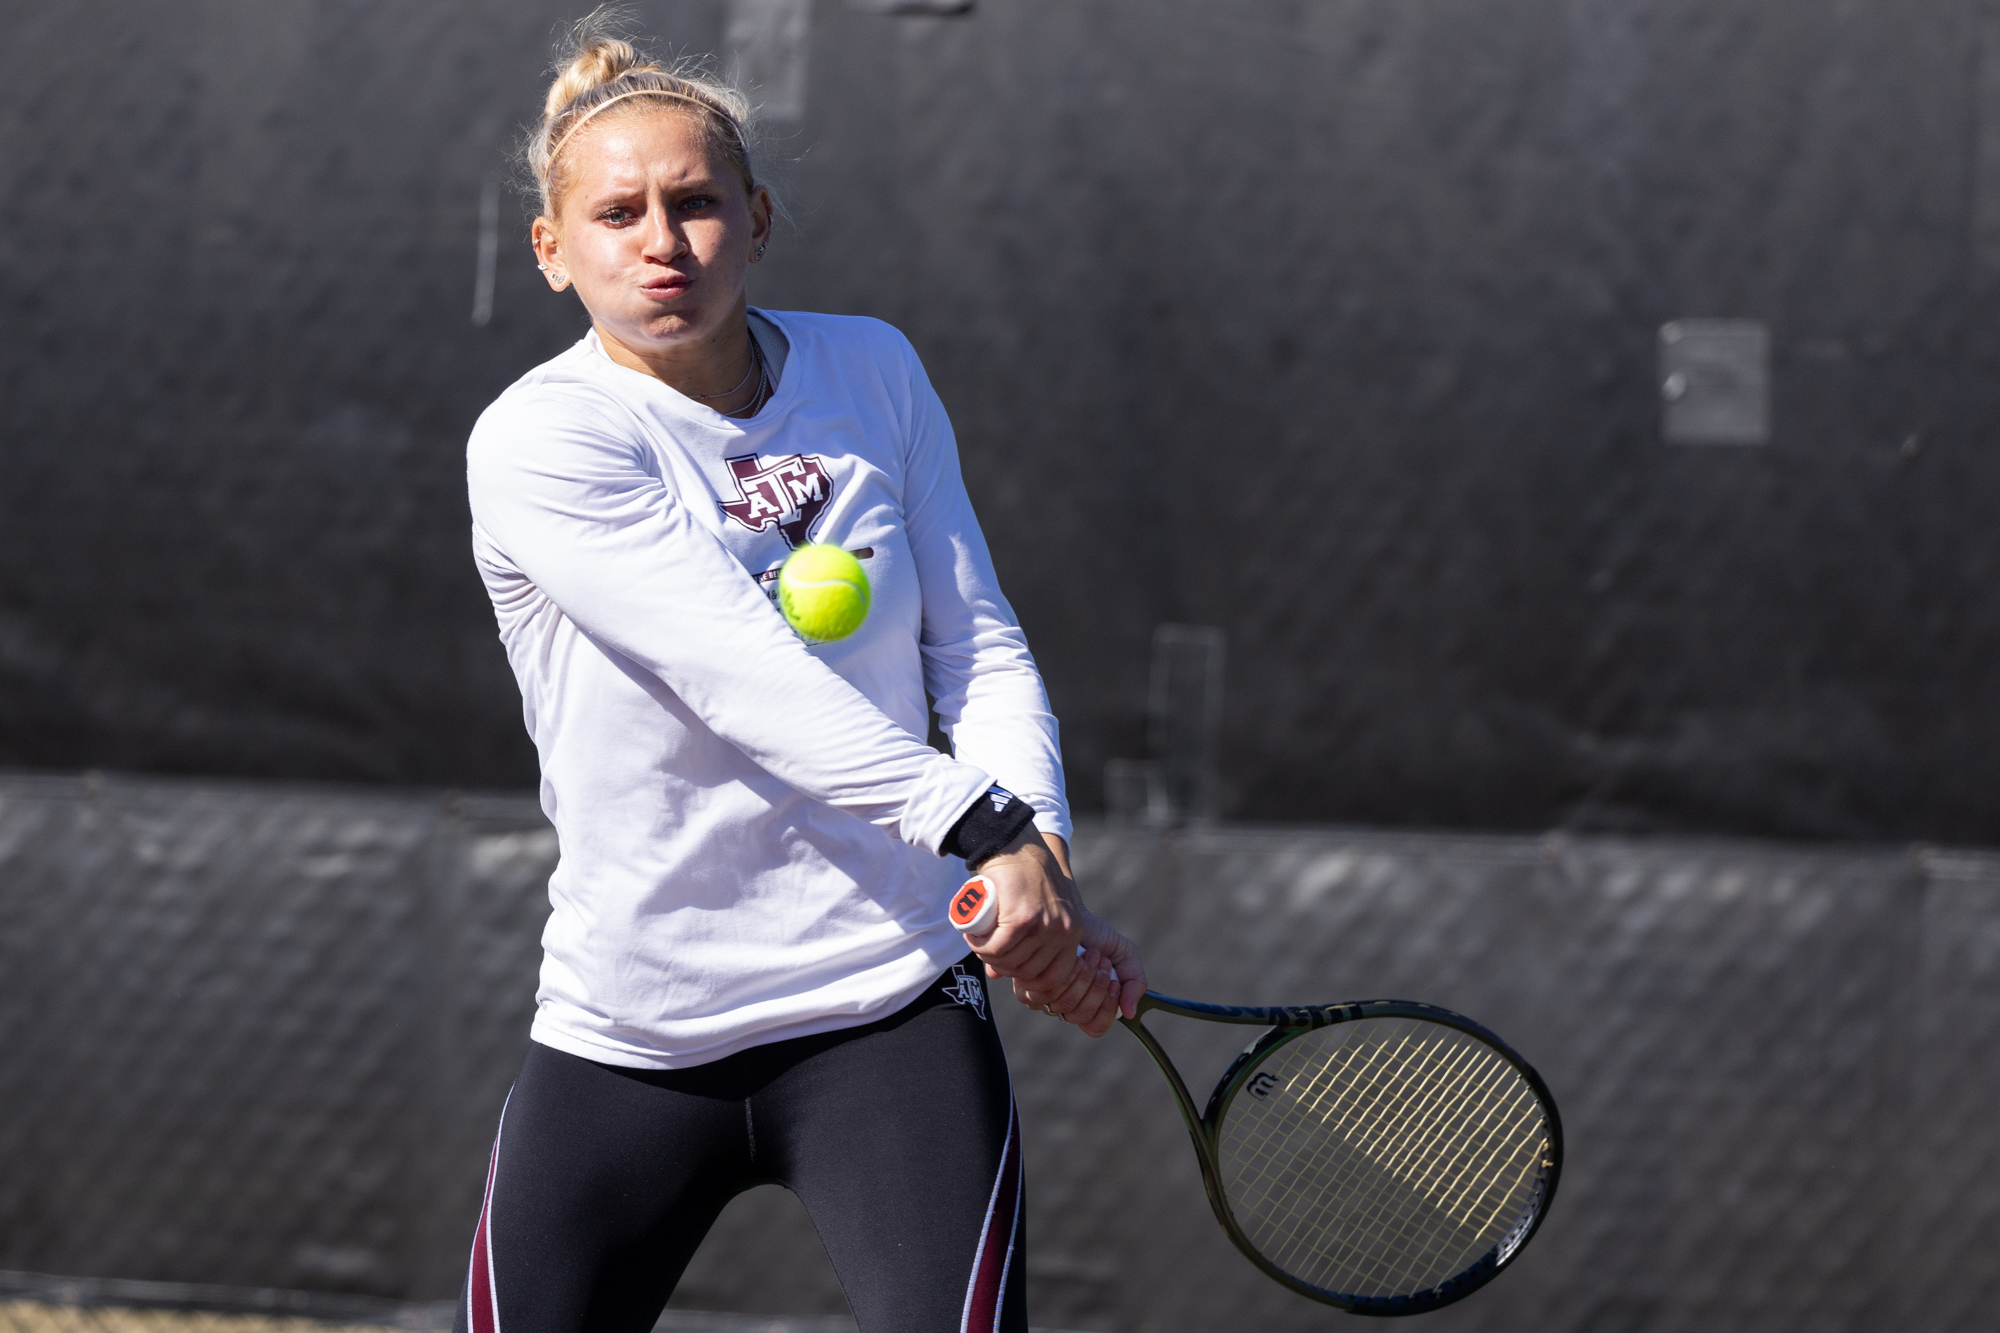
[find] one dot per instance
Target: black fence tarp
(1332, 325)
(258, 1036)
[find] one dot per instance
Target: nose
(663, 240)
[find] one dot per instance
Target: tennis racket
(1384, 1157)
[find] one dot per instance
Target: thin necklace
(758, 396)
(734, 388)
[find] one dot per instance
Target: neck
(704, 370)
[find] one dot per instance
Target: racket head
(1385, 1157)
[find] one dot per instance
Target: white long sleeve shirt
(749, 825)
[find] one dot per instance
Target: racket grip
(975, 908)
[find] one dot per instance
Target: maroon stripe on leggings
(481, 1304)
(986, 1293)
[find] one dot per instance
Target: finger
(1131, 976)
(1053, 948)
(1099, 934)
(1062, 998)
(1041, 1001)
(1131, 982)
(1072, 994)
(1100, 1024)
(1124, 958)
(1096, 1015)
(1024, 947)
(1065, 997)
(1082, 1004)
(1097, 1007)
(1027, 995)
(1047, 968)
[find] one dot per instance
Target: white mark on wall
(767, 42)
(489, 252)
(1715, 381)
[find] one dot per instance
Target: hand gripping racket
(1384, 1157)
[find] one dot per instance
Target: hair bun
(597, 67)
(595, 60)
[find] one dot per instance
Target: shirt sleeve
(989, 697)
(584, 514)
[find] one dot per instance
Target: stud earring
(543, 267)
(760, 251)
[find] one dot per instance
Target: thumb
(1122, 955)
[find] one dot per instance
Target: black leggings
(899, 1137)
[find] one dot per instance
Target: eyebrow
(626, 191)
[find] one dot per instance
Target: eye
(699, 203)
(616, 217)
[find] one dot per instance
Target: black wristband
(993, 821)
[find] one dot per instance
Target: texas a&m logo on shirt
(791, 494)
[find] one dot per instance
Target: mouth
(667, 287)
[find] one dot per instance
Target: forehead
(640, 147)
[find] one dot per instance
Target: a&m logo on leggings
(966, 989)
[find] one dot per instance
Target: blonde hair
(597, 66)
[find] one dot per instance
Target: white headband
(585, 118)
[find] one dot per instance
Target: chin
(672, 327)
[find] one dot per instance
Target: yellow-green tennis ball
(823, 592)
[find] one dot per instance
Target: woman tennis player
(748, 976)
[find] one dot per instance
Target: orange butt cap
(971, 903)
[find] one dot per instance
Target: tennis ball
(823, 592)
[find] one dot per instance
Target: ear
(548, 253)
(763, 219)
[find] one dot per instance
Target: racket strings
(1401, 1251)
(1383, 1156)
(1377, 1223)
(1400, 1237)
(1367, 1112)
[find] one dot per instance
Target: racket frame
(1283, 1024)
